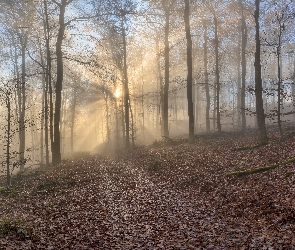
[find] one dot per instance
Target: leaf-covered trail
(174, 197)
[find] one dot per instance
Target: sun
(118, 92)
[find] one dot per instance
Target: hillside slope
(168, 197)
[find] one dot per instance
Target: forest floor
(159, 197)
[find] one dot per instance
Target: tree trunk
(142, 99)
(73, 116)
(123, 116)
(244, 63)
(62, 123)
(217, 77)
(189, 71)
(132, 127)
(293, 88)
(167, 75)
(206, 79)
(32, 128)
(107, 117)
(48, 88)
(8, 139)
(126, 87)
(279, 101)
(160, 107)
(258, 80)
(22, 110)
(117, 124)
(56, 153)
(42, 120)
(239, 84)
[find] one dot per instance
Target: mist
(109, 76)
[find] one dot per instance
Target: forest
(147, 124)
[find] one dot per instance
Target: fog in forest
(86, 76)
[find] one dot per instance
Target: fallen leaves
(171, 197)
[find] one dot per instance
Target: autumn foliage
(166, 197)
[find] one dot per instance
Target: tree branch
(57, 3)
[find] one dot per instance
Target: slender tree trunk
(258, 80)
(244, 63)
(32, 126)
(123, 117)
(8, 139)
(279, 101)
(167, 75)
(48, 88)
(126, 87)
(217, 76)
(42, 121)
(17, 90)
(107, 117)
(206, 79)
(132, 127)
(234, 105)
(142, 98)
(18, 110)
(73, 116)
(160, 107)
(46, 122)
(117, 124)
(189, 71)
(23, 110)
(56, 151)
(63, 124)
(214, 107)
(239, 84)
(293, 88)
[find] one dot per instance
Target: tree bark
(217, 76)
(56, 153)
(239, 83)
(160, 107)
(206, 79)
(279, 100)
(167, 75)
(42, 120)
(48, 88)
(293, 88)
(8, 139)
(73, 116)
(189, 71)
(258, 80)
(44, 109)
(244, 63)
(126, 87)
(22, 109)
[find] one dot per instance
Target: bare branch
(57, 3)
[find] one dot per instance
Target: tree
(213, 10)
(280, 19)
(22, 16)
(189, 70)
(258, 80)
(56, 153)
(7, 97)
(166, 6)
(206, 77)
(48, 85)
(117, 15)
(244, 64)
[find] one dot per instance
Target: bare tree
(244, 64)
(258, 80)
(189, 70)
